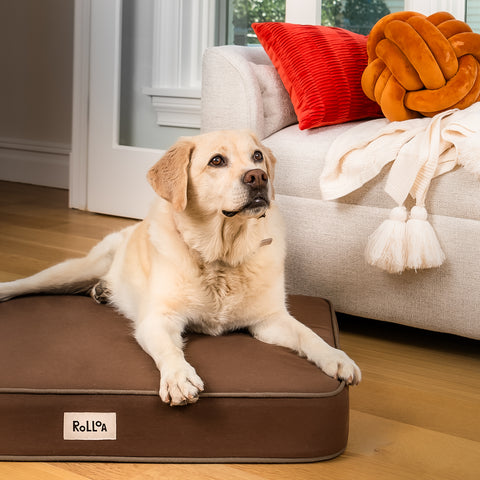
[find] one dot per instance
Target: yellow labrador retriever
(208, 257)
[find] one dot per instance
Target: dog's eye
(217, 161)
(258, 156)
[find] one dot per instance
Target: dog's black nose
(255, 178)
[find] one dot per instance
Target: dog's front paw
(338, 364)
(180, 385)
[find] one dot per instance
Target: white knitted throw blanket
(420, 149)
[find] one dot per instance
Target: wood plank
(422, 378)
(12, 193)
(416, 406)
(28, 250)
(385, 449)
(13, 266)
(147, 471)
(93, 226)
(77, 244)
(37, 471)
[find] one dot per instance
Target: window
(360, 15)
(240, 15)
(473, 14)
(357, 15)
(234, 17)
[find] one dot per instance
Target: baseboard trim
(38, 163)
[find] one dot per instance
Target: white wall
(36, 47)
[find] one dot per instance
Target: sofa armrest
(236, 83)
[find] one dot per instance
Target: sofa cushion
(278, 111)
(301, 158)
(321, 68)
(421, 66)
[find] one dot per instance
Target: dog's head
(225, 172)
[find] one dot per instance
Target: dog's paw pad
(340, 366)
(180, 387)
(100, 292)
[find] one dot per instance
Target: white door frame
(105, 177)
(81, 72)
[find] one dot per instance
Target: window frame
(303, 11)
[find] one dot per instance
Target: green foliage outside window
(246, 12)
(356, 15)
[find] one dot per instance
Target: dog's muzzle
(258, 199)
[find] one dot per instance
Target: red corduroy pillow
(321, 68)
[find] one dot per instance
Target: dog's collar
(266, 241)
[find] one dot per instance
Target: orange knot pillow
(420, 65)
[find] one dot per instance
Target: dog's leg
(161, 337)
(286, 331)
(71, 276)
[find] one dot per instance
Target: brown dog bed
(74, 385)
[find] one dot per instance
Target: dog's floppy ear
(169, 176)
(270, 161)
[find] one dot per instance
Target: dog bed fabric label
(89, 426)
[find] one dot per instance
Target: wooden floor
(416, 415)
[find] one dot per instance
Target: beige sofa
(326, 239)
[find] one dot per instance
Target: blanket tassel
(386, 247)
(423, 247)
